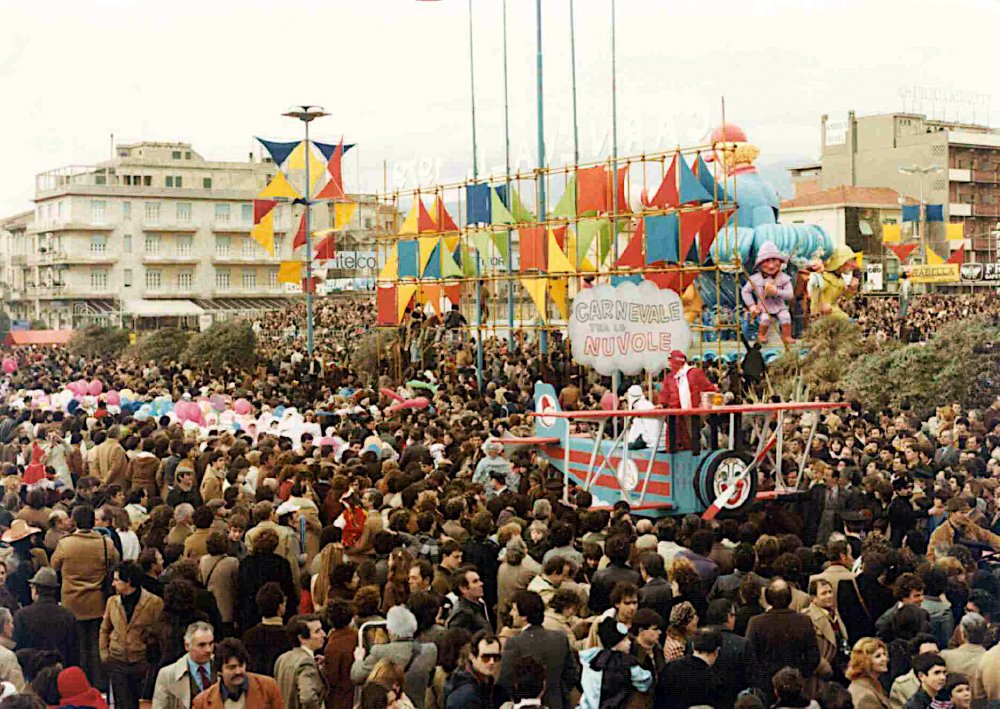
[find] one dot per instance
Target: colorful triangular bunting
(300, 235)
(404, 294)
(566, 208)
(902, 251)
(262, 207)
(290, 272)
(631, 257)
(279, 187)
(536, 289)
(933, 259)
(957, 256)
(263, 232)
(278, 151)
(691, 190)
(666, 195)
(557, 261)
(442, 220)
(343, 212)
(559, 292)
(691, 224)
(385, 302)
(390, 271)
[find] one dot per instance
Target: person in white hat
(642, 431)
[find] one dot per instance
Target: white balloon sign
(627, 328)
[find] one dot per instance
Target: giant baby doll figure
(768, 291)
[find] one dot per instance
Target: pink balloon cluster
(113, 398)
(189, 411)
(9, 365)
(242, 407)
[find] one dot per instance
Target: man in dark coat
(617, 550)
(474, 685)
(692, 680)
(779, 638)
(483, 553)
(46, 625)
(470, 611)
(550, 647)
(729, 666)
(655, 592)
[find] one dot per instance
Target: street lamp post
(921, 172)
(307, 114)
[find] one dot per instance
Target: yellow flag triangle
(932, 258)
(297, 160)
(536, 289)
(317, 167)
(404, 294)
(279, 187)
(859, 257)
(342, 213)
(451, 242)
(390, 270)
(427, 244)
(263, 232)
(559, 289)
(410, 223)
(890, 233)
(955, 231)
(290, 272)
(558, 263)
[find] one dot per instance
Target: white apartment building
(156, 234)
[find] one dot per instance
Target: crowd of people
(916, 318)
(405, 559)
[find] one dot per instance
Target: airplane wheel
(728, 471)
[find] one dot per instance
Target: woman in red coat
(683, 387)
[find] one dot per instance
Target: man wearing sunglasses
(474, 686)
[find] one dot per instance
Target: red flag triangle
(424, 222)
(691, 224)
(300, 235)
(444, 220)
(667, 195)
(261, 207)
(335, 186)
(326, 248)
(453, 293)
(559, 232)
(902, 251)
(632, 256)
(677, 281)
(957, 256)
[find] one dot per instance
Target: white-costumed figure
(642, 430)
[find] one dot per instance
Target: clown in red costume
(683, 387)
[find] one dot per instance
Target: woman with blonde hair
(330, 556)
(388, 674)
(869, 660)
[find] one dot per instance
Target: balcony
(18, 260)
(241, 292)
(70, 226)
(171, 257)
(93, 258)
(64, 292)
(175, 228)
(172, 292)
(985, 210)
(261, 258)
(989, 176)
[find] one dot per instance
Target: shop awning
(37, 337)
(161, 308)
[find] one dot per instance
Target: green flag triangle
(501, 215)
(468, 261)
(481, 240)
(566, 209)
(585, 233)
(448, 266)
(522, 215)
(500, 241)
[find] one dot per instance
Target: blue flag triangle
(715, 190)
(911, 212)
(935, 212)
(328, 148)
(478, 204)
(691, 189)
(279, 151)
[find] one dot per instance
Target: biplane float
(721, 477)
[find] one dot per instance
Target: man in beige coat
(194, 670)
(128, 619)
(302, 684)
(84, 558)
(831, 635)
(110, 460)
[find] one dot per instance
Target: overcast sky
(395, 76)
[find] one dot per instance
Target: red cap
(677, 354)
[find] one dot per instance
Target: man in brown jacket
(236, 685)
(84, 558)
(110, 460)
(141, 470)
(125, 630)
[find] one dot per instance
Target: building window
(183, 211)
(221, 213)
(152, 212)
(222, 280)
(187, 154)
(170, 180)
(126, 210)
(147, 181)
(246, 213)
(128, 277)
(152, 244)
(174, 181)
(272, 278)
(154, 279)
(249, 279)
(185, 280)
(99, 280)
(184, 245)
(62, 211)
(98, 244)
(222, 245)
(279, 244)
(97, 211)
(206, 183)
(249, 248)
(176, 155)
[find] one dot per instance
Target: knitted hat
(768, 250)
(611, 632)
(682, 614)
(75, 690)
